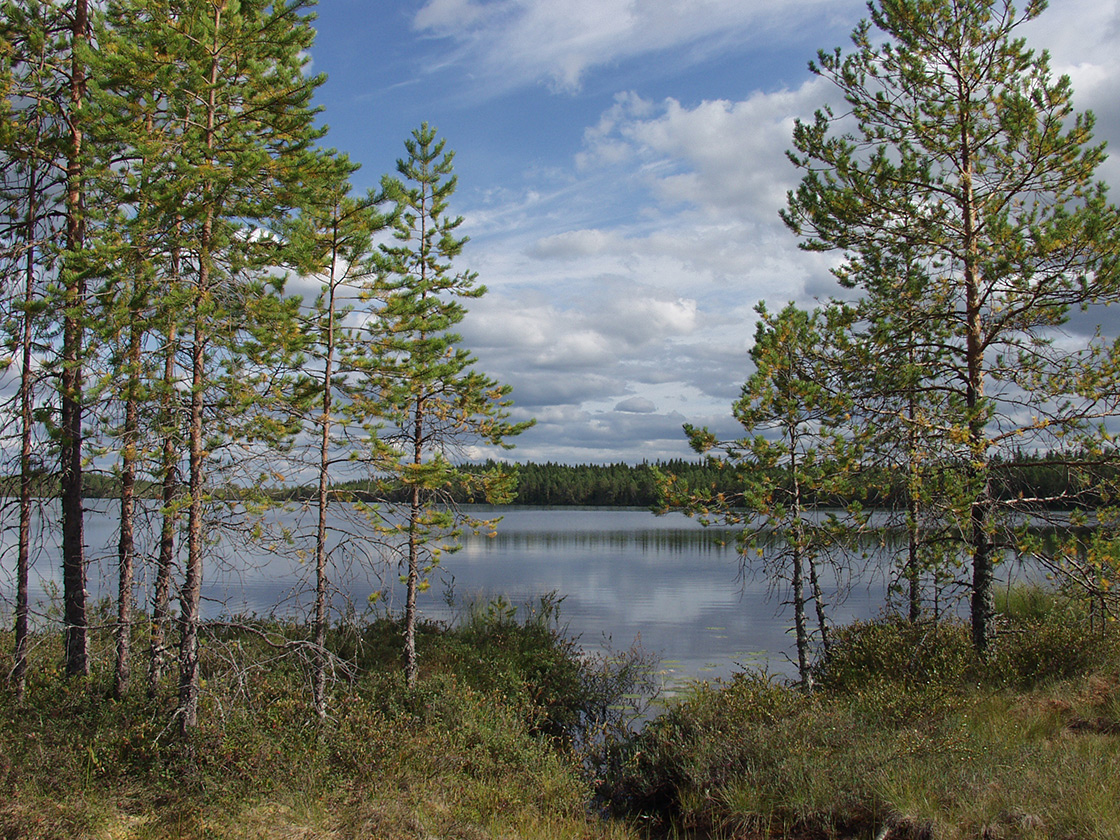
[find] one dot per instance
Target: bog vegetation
(162, 178)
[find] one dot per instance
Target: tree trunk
(76, 640)
(23, 560)
(192, 584)
(411, 668)
(161, 599)
(797, 582)
(126, 549)
(319, 631)
(818, 603)
(979, 544)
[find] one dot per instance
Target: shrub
(895, 651)
(713, 733)
(1044, 636)
(524, 656)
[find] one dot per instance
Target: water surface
(624, 575)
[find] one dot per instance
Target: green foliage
(525, 657)
(798, 456)
(1045, 637)
(902, 654)
(904, 737)
(468, 750)
(959, 188)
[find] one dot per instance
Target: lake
(625, 575)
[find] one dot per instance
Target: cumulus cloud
(1081, 36)
(725, 158)
(621, 330)
(623, 293)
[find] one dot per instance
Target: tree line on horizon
(1045, 476)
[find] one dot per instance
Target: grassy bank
(512, 734)
(906, 737)
(489, 744)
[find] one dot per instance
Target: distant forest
(635, 485)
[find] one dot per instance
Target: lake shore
(905, 735)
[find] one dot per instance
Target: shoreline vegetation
(512, 732)
(1039, 476)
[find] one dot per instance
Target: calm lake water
(625, 575)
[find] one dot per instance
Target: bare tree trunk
(126, 549)
(161, 600)
(319, 631)
(169, 474)
(797, 582)
(411, 668)
(23, 561)
(913, 569)
(982, 606)
(800, 625)
(818, 603)
(192, 584)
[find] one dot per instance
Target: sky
(621, 167)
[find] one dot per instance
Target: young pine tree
(428, 400)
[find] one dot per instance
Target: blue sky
(621, 167)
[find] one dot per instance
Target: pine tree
(798, 457)
(221, 87)
(968, 156)
(331, 240)
(42, 160)
(420, 385)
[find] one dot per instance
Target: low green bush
(1044, 636)
(898, 652)
(905, 734)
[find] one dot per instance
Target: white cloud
(514, 42)
(1082, 38)
(726, 159)
(604, 328)
(576, 243)
(623, 292)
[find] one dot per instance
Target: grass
(513, 733)
(908, 737)
(470, 752)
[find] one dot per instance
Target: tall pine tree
(968, 157)
(420, 386)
